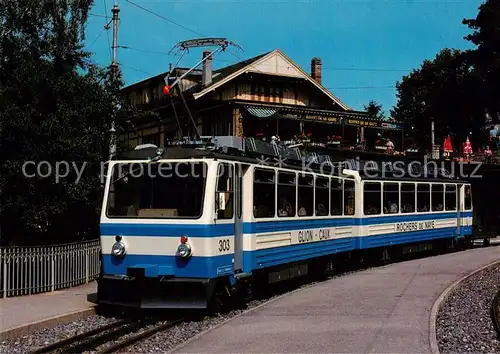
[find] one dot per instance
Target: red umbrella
(447, 145)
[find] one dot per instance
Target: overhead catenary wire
(251, 65)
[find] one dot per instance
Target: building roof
(271, 63)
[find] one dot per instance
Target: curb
(444, 295)
(29, 328)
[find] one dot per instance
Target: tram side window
(451, 197)
(336, 196)
(287, 191)
(372, 198)
(408, 198)
(437, 196)
(468, 198)
(225, 183)
(391, 198)
(322, 196)
(306, 195)
(423, 197)
(349, 197)
(264, 193)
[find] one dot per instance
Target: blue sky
(366, 46)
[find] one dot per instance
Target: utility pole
(114, 70)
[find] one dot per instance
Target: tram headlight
(184, 251)
(118, 249)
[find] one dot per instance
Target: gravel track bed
(464, 323)
(48, 336)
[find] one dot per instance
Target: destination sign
(311, 235)
(415, 226)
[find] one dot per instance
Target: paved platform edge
(441, 298)
(29, 328)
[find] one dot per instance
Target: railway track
(119, 334)
(495, 312)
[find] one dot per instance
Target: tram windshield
(163, 190)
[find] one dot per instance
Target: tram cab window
(305, 200)
(372, 198)
(391, 198)
(287, 191)
(437, 197)
(322, 196)
(423, 197)
(264, 193)
(451, 197)
(337, 203)
(468, 197)
(349, 197)
(225, 190)
(407, 197)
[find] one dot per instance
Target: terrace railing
(38, 269)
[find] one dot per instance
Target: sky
(366, 46)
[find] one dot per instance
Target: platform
(29, 309)
(382, 310)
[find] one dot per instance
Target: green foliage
(374, 109)
(441, 89)
(55, 105)
(456, 88)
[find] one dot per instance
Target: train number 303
(224, 245)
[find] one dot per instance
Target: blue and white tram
(180, 233)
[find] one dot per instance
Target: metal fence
(37, 269)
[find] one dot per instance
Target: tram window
(287, 191)
(408, 198)
(159, 193)
(372, 198)
(264, 193)
(349, 197)
(305, 205)
(225, 183)
(336, 196)
(391, 198)
(468, 198)
(437, 197)
(322, 196)
(451, 197)
(423, 197)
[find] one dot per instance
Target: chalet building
(263, 96)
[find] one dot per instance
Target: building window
(322, 196)
(437, 197)
(264, 193)
(336, 196)
(408, 198)
(423, 197)
(372, 198)
(349, 197)
(287, 191)
(451, 197)
(305, 198)
(391, 198)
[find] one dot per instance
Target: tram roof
(182, 153)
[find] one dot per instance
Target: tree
(486, 57)
(374, 109)
(443, 90)
(55, 106)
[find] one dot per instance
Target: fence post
(52, 258)
(4, 258)
(87, 253)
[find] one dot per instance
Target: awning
(261, 112)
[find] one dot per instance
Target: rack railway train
(190, 228)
